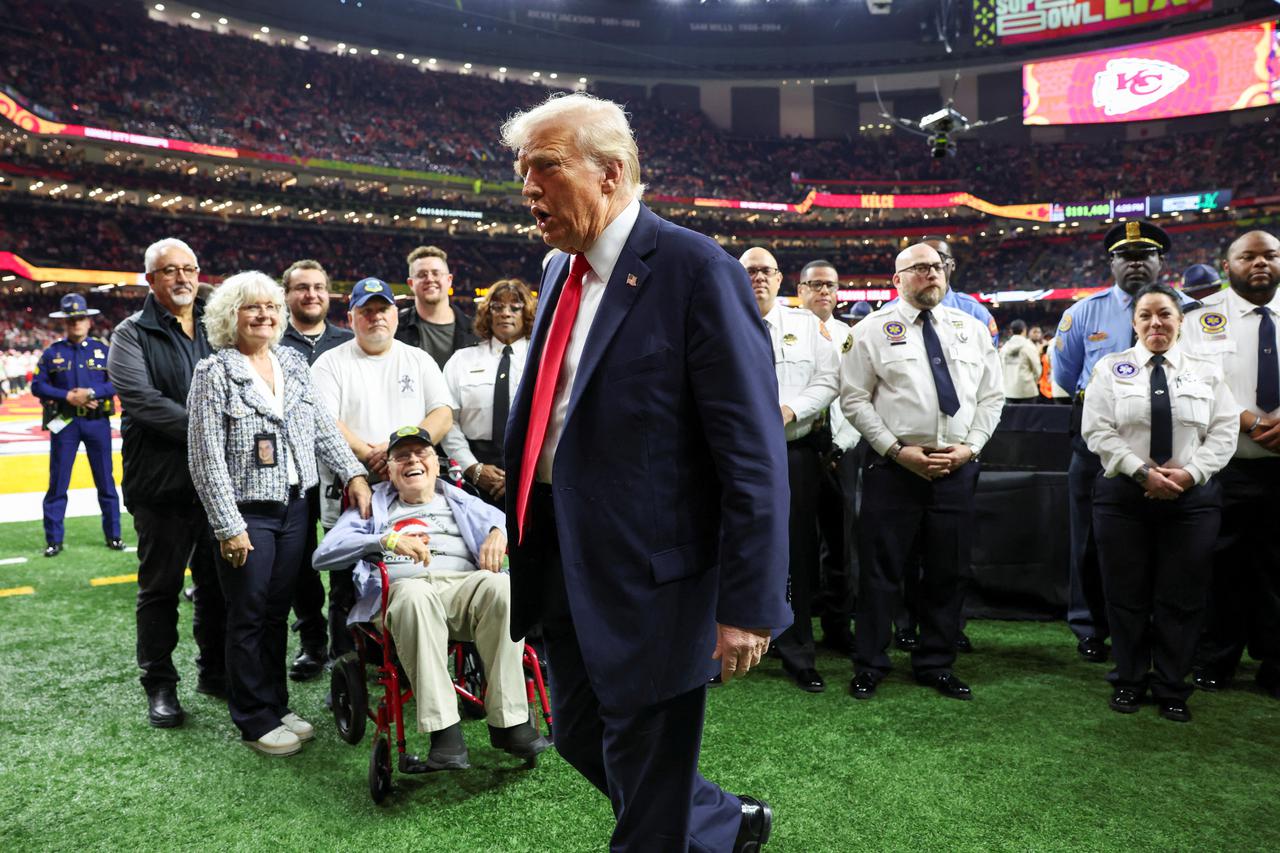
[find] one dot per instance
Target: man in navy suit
(646, 482)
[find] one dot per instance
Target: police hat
(406, 433)
(1197, 276)
(73, 306)
(1136, 234)
(859, 310)
(370, 288)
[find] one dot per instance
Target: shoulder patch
(992, 327)
(1065, 325)
(895, 331)
(847, 345)
(1211, 322)
(1124, 369)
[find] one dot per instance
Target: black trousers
(645, 760)
(901, 512)
(169, 540)
(258, 597)
(1244, 603)
(308, 591)
(832, 601)
(1155, 558)
(795, 645)
(1086, 600)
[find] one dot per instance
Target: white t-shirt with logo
(435, 522)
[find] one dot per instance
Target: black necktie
(947, 399)
(1268, 364)
(502, 397)
(1161, 414)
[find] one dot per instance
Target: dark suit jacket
(670, 479)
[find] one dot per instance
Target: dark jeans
(1244, 606)
(1155, 558)
(1086, 601)
(258, 598)
(795, 645)
(169, 540)
(900, 513)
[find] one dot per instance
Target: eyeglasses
(308, 288)
(923, 269)
(767, 272)
(820, 286)
(171, 271)
(425, 453)
(506, 307)
(261, 308)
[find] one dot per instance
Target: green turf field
(1036, 762)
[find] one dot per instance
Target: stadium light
(159, 7)
(222, 21)
(195, 16)
(466, 65)
(373, 52)
(304, 39)
(582, 79)
(553, 75)
(416, 60)
(264, 30)
(399, 56)
(431, 61)
(502, 69)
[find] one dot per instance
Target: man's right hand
(412, 546)
(924, 466)
(492, 480)
(78, 396)
(1268, 433)
(376, 460)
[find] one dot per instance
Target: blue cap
(371, 288)
(1197, 276)
(859, 310)
(73, 306)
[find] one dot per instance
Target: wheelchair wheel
(472, 676)
(380, 770)
(350, 698)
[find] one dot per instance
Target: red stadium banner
(1231, 69)
(1022, 21)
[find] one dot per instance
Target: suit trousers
(474, 607)
(832, 600)
(644, 759)
(169, 540)
(900, 513)
(1244, 603)
(1155, 558)
(1086, 601)
(258, 597)
(95, 433)
(308, 592)
(795, 645)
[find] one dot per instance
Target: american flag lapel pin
(631, 280)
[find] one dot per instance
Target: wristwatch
(1140, 476)
(894, 450)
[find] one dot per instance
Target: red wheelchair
(350, 693)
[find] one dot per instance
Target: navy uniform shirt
(64, 366)
(304, 346)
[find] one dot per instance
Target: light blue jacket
(356, 540)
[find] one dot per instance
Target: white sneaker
(278, 741)
(301, 729)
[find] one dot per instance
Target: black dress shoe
(115, 544)
(1093, 649)
(1175, 709)
(53, 549)
(948, 685)
(1125, 700)
(308, 664)
(906, 641)
(1207, 682)
(963, 643)
(163, 709)
(521, 740)
(807, 680)
(863, 686)
(757, 823)
(448, 750)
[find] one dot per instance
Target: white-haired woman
(256, 428)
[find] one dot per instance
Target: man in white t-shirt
(373, 384)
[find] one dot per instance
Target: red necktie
(544, 388)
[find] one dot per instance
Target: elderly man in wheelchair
(443, 550)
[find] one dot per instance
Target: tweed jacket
(228, 417)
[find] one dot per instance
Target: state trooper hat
(73, 306)
(1136, 234)
(370, 288)
(1197, 276)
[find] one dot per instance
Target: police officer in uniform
(1162, 422)
(1238, 327)
(71, 382)
(1097, 326)
(807, 368)
(922, 385)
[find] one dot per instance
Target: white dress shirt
(603, 257)
(843, 435)
(274, 395)
(887, 389)
(470, 375)
(805, 363)
(1227, 329)
(1117, 413)
(1022, 367)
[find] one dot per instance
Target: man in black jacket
(431, 322)
(153, 355)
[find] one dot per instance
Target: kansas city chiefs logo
(1126, 85)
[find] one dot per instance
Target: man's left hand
(955, 456)
(739, 649)
(360, 495)
(492, 550)
(788, 415)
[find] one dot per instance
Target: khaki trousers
(424, 613)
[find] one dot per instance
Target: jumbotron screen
(1230, 69)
